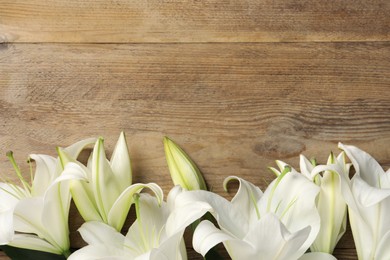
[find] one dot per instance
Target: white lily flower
(147, 238)
(368, 197)
(282, 223)
(183, 170)
(102, 191)
(36, 216)
(331, 207)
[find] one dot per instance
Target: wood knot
(279, 148)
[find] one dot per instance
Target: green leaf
(16, 253)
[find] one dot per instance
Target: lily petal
(306, 167)
(292, 198)
(345, 183)
(273, 241)
(246, 198)
(106, 189)
(120, 163)
(55, 214)
(146, 231)
(27, 216)
(6, 225)
(95, 233)
(206, 236)
(333, 212)
(8, 201)
(75, 149)
(118, 213)
(33, 242)
(317, 256)
(77, 175)
(383, 249)
(366, 166)
(184, 215)
(367, 195)
(169, 249)
(195, 204)
(44, 174)
(99, 252)
(83, 198)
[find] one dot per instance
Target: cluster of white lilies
(300, 215)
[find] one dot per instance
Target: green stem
(11, 158)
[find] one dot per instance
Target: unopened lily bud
(183, 170)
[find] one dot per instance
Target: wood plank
(125, 21)
(233, 107)
(3, 257)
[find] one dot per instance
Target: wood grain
(233, 107)
(237, 84)
(123, 21)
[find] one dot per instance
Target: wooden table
(237, 84)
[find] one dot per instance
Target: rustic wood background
(237, 84)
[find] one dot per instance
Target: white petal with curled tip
(206, 236)
(291, 200)
(366, 166)
(246, 198)
(96, 233)
(317, 256)
(367, 195)
(75, 149)
(81, 190)
(45, 173)
(120, 163)
(197, 203)
(33, 242)
(345, 183)
(118, 213)
(369, 206)
(70, 153)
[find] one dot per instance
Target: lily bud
(183, 170)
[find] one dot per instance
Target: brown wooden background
(237, 84)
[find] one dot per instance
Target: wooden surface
(195, 20)
(237, 84)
